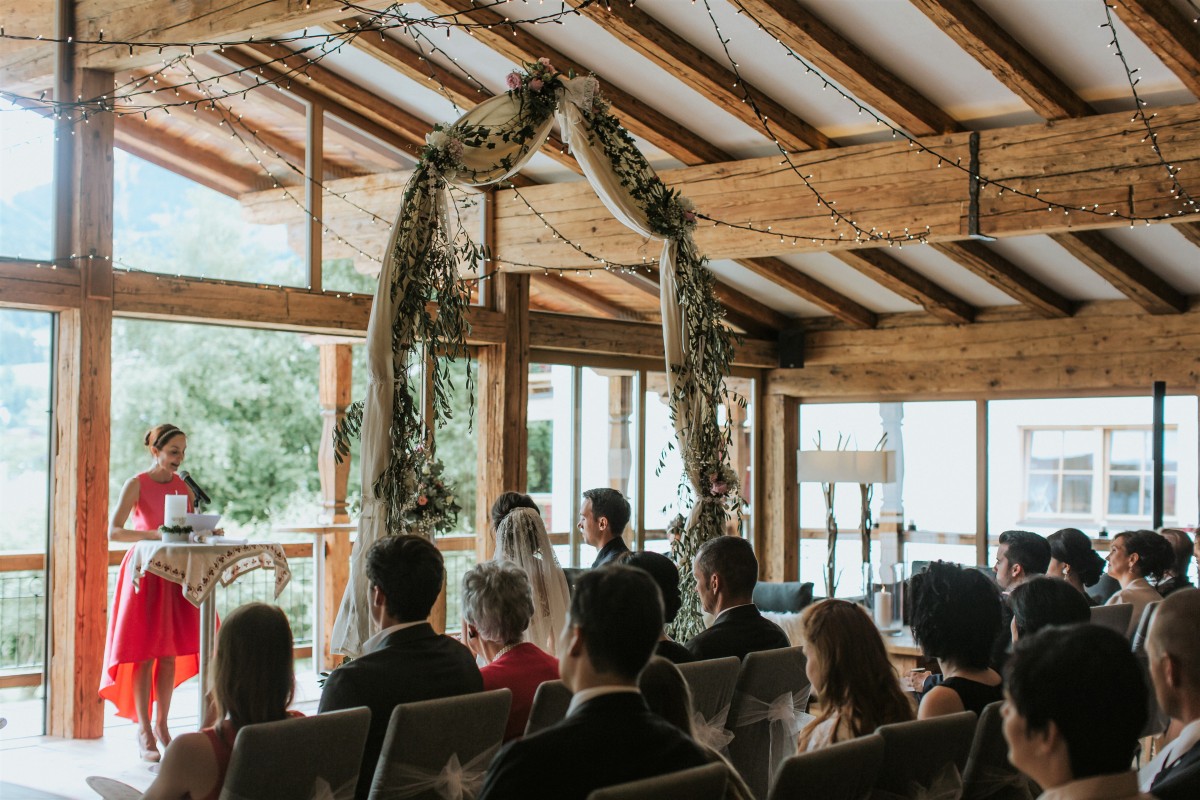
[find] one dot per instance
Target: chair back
(920, 753)
(435, 748)
(550, 703)
(1116, 617)
(988, 773)
(1138, 642)
(698, 783)
(302, 762)
(711, 683)
(766, 714)
(844, 771)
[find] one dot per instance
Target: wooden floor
(40, 767)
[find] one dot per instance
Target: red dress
(156, 620)
(522, 670)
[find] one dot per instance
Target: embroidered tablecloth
(200, 567)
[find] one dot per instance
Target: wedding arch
(486, 145)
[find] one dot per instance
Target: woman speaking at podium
(153, 631)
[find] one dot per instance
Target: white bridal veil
(522, 539)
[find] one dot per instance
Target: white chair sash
(712, 733)
(321, 791)
(786, 717)
(946, 785)
(454, 781)
(991, 781)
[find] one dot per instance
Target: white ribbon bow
(786, 717)
(454, 781)
(711, 733)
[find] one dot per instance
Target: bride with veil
(521, 538)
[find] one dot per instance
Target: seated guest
(1175, 577)
(609, 736)
(406, 660)
(1042, 602)
(850, 673)
(252, 681)
(497, 605)
(521, 539)
(1073, 560)
(956, 619)
(726, 571)
(1074, 708)
(1133, 557)
(602, 520)
(663, 571)
(1021, 556)
(1173, 649)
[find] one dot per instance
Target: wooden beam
(1133, 278)
(1071, 163)
(1014, 66)
(160, 146)
(426, 72)
(1169, 34)
(26, 284)
(1107, 348)
(779, 546)
(713, 80)
(853, 69)
(793, 280)
(897, 277)
(576, 292)
(1007, 277)
(639, 118)
(1189, 231)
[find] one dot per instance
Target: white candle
(883, 608)
(175, 510)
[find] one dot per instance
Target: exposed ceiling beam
(207, 168)
(1014, 66)
(1169, 34)
(713, 80)
(741, 310)
(1133, 278)
(903, 280)
(426, 72)
(853, 69)
(790, 279)
(639, 118)
(1190, 231)
(591, 299)
(1007, 277)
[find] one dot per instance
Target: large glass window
(26, 183)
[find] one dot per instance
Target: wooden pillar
(79, 545)
(739, 454)
(333, 389)
(620, 408)
(779, 508)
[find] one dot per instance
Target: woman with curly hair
(849, 670)
(956, 619)
(1133, 557)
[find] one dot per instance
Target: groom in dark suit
(407, 660)
(726, 571)
(602, 520)
(609, 736)
(1173, 649)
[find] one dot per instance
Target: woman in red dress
(153, 631)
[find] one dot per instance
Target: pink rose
(422, 500)
(536, 84)
(719, 488)
(513, 80)
(689, 216)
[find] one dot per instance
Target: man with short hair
(1021, 555)
(1074, 708)
(609, 736)
(1173, 649)
(406, 660)
(602, 520)
(726, 571)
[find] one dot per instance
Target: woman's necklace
(504, 650)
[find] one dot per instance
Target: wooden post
(337, 359)
(79, 543)
(779, 545)
(620, 407)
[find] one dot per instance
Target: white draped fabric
(522, 539)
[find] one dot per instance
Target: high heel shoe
(147, 747)
(163, 735)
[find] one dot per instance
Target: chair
(768, 703)
(433, 745)
(1138, 642)
(711, 684)
(988, 773)
(697, 783)
(550, 703)
(917, 753)
(1116, 617)
(844, 771)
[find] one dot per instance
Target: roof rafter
(793, 280)
(1190, 231)
(1168, 33)
(1133, 278)
(590, 298)
(1007, 277)
(909, 284)
(207, 168)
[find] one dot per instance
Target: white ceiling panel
(957, 280)
(1046, 260)
(1164, 250)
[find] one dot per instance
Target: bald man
(1173, 648)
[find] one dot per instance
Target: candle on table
(883, 608)
(175, 510)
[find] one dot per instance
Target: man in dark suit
(726, 572)
(1173, 648)
(407, 660)
(609, 736)
(602, 520)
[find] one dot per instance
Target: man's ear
(575, 644)
(378, 600)
(714, 583)
(1172, 671)
(601, 523)
(1048, 740)
(1017, 571)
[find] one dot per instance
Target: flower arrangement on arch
(431, 507)
(444, 146)
(536, 86)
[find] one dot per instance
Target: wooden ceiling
(381, 94)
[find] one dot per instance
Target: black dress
(975, 696)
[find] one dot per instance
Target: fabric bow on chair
(786, 716)
(455, 781)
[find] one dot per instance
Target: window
(26, 190)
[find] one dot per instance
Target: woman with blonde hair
(253, 680)
(850, 673)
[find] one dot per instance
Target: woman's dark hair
(665, 575)
(506, 502)
(1042, 602)
(1154, 552)
(158, 436)
(1072, 547)
(1181, 543)
(956, 614)
(253, 677)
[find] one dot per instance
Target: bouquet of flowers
(431, 507)
(535, 85)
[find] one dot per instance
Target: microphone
(202, 497)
